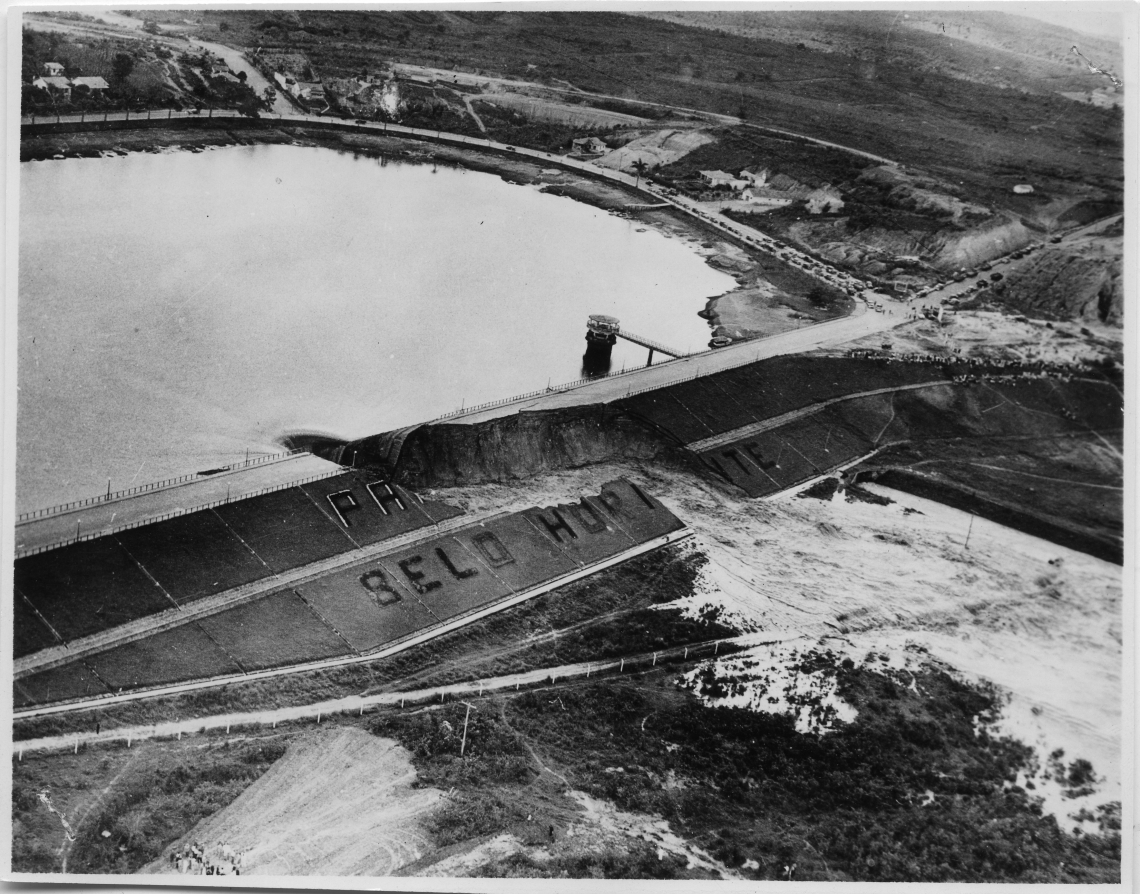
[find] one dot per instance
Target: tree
(640, 167)
(242, 76)
(121, 67)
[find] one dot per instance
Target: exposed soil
(339, 802)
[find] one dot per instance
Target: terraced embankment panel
(367, 604)
(168, 657)
(273, 631)
(89, 587)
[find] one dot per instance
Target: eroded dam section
(768, 427)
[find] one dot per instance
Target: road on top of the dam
(859, 324)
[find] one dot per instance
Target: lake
(179, 309)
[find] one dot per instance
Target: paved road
(102, 518)
(833, 332)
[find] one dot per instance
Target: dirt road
(357, 704)
(236, 60)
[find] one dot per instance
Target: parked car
(720, 341)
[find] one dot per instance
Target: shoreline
(770, 297)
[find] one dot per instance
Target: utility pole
(463, 744)
(969, 531)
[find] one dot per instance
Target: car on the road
(720, 341)
(361, 120)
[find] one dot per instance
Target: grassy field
(971, 133)
(143, 797)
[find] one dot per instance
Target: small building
(720, 178)
(825, 200)
(311, 92)
(768, 198)
(53, 69)
(94, 83)
(757, 175)
(55, 86)
(589, 146)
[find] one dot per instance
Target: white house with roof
(56, 86)
(589, 146)
(53, 69)
(720, 178)
(757, 175)
(94, 83)
(311, 91)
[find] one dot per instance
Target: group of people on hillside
(194, 860)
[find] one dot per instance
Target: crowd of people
(1012, 368)
(196, 860)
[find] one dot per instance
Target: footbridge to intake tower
(602, 333)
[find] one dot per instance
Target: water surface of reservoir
(178, 309)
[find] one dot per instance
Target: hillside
(965, 131)
(992, 48)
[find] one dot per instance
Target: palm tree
(641, 167)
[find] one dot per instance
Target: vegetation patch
(125, 804)
(909, 791)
